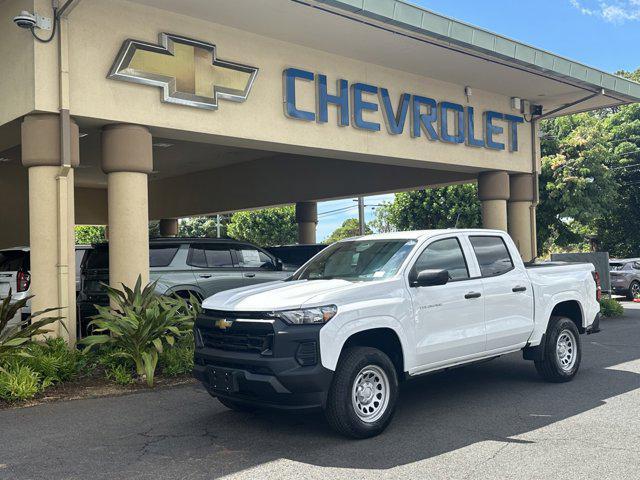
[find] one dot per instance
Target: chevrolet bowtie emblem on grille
(223, 323)
(188, 71)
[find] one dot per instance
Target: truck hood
(274, 295)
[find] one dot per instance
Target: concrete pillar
(169, 227)
(127, 159)
(522, 215)
(307, 218)
(493, 192)
(51, 219)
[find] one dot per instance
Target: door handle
(519, 288)
(473, 295)
(206, 275)
(249, 275)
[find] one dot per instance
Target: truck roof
(419, 234)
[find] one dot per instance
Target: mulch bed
(94, 387)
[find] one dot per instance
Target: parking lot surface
(493, 420)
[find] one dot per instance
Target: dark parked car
(625, 277)
(183, 266)
(294, 256)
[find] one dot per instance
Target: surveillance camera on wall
(29, 21)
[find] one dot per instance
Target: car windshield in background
(358, 260)
(14, 260)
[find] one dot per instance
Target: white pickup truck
(367, 313)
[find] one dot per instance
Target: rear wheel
(634, 290)
(363, 394)
(562, 351)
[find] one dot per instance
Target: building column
(51, 219)
(169, 227)
(307, 218)
(493, 192)
(127, 159)
(522, 215)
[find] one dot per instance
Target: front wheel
(363, 394)
(562, 351)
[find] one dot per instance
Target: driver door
(449, 318)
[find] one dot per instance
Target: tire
(236, 406)
(634, 288)
(366, 414)
(562, 351)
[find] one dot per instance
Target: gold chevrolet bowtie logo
(223, 324)
(188, 71)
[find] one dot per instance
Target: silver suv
(625, 277)
(183, 266)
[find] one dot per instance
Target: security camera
(25, 20)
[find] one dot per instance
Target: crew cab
(369, 312)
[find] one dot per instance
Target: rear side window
(492, 254)
(14, 260)
(162, 255)
(210, 256)
(444, 254)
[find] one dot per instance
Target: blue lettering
(490, 129)
(359, 106)
(395, 121)
(341, 100)
(472, 141)
(459, 129)
(424, 121)
(513, 122)
(290, 109)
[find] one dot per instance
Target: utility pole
(218, 225)
(361, 214)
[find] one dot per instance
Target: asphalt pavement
(495, 420)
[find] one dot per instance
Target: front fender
(334, 335)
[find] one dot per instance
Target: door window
(210, 256)
(162, 255)
(492, 254)
(249, 257)
(444, 254)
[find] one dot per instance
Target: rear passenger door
(508, 295)
(257, 266)
(168, 264)
(214, 267)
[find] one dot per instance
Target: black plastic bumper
(595, 326)
(282, 372)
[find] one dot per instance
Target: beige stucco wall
(97, 30)
(16, 63)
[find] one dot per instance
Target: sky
(604, 34)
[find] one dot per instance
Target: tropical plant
(18, 382)
(13, 339)
(53, 360)
(121, 374)
(178, 360)
(140, 325)
(610, 307)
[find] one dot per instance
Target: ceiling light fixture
(163, 145)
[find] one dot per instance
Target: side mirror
(430, 278)
(279, 265)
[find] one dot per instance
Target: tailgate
(7, 282)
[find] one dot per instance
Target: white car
(367, 313)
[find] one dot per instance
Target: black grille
(223, 331)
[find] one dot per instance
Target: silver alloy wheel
(635, 289)
(370, 393)
(566, 350)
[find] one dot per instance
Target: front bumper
(260, 361)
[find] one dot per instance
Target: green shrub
(18, 382)
(179, 359)
(141, 326)
(121, 374)
(53, 360)
(610, 307)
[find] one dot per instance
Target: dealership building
(146, 110)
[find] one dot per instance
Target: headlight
(308, 315)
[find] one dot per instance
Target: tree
(444, 207)
(267, 227)
(349, 228)
(198, 227)
(90, 234)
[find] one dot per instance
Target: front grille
(223, 331)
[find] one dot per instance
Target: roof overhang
(398, 35)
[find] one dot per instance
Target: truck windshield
(358, 261)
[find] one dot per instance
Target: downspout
(535, 186)
(65, 164)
